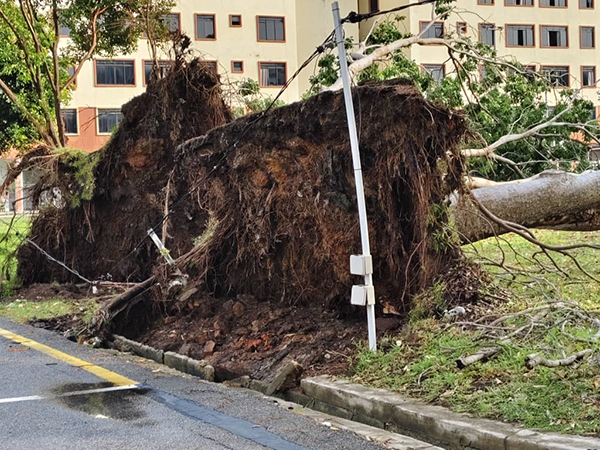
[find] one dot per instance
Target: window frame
(258, 39)
(96, 84)
(144, 61)
(559, 7)
(260, 80)
(593, 5)
(178, 14)
(581, 27)
(494, 29)
(233, 66)
(542, 67)
(214, 16)
(231, 25)
(76, 121)
(479, 2)
(105, 133)
(593, 86)
(542, 26)
(421, 22)
(507, 45)
(520, 6)
(443, 66)
(459, 29)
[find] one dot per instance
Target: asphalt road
(42, 406)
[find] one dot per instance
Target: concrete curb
(173, 360)
(434, 424)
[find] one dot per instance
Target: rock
(185, 349)
(287, 378)
(209, 348)
(238, 309)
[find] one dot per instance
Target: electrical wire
(355, 17)
(47, 255)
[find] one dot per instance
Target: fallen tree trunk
(552, 199)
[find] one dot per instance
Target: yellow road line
(112, 377)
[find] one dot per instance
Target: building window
(519, 2)
(588, 76)
(588, 37)
(160, 72)
(235, 20)
(271, 29)
(527, 71)
(436, 71)
(487, 34)
(272, 74)
(172, 22)
(485, 2)
(115, 73)
(555, 37)
(461, 27)
(69, 119)
(519, 36)
(586, 4)
(64, 30)
(435, 31)
(237, 66)
(557, 75)
(554, 3)
(205, 27)
(373, 5)
(108, 120)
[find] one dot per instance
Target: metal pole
(360, 191)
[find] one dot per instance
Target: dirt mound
(130, 179)
(278, 219)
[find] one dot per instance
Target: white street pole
(360, 191)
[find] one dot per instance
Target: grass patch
(24, 311)
(8, 247)
(421, 362)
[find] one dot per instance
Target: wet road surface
(55, 394)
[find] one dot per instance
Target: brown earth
(265, 220)
(130, 184)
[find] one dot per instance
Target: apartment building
(259, 39)
(554, 37)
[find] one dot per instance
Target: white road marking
(68, 394)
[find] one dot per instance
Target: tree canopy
(38, 69)
(499, 96)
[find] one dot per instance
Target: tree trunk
(552, 199)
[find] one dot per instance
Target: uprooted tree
(265, 205)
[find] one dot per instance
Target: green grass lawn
(421, 361)
(8, 246)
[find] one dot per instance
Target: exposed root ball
(282, 207)
(130, 178)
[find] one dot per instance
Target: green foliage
(9, 243)
(443, 234)
(429, 302)
(497, 100)
(24, 311)
(82, 165)
(253, 99)
(31, 101)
